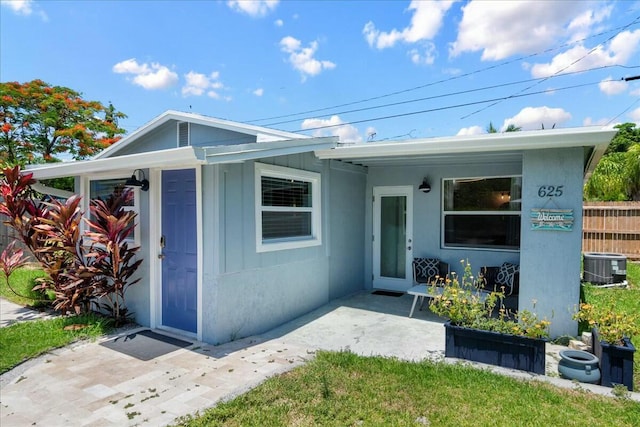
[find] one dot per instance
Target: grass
(626, 301)
(22, 281)
(26, 340)
(343, 389)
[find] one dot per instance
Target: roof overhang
(507, 146)
(182, 157)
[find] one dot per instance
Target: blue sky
(363, 70)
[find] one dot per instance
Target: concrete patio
(89, 384)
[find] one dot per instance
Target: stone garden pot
(579, 365)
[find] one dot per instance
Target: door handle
(161, 256)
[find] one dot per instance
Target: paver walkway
(90, 384)
(11, 313)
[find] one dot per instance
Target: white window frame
(444, 213)
(86, 191)
(271, 171)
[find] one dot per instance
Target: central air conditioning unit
(604, 268)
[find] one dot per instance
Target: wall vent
(184, 134)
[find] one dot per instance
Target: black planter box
(508, 351)
(616, 362)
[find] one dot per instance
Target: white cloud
(582, 24)
(502, 29)
(279, 22)
(258, 92)
(21, 7)
(24, 7)
(635, 115)
(197, 84)
(612, 87)
(149, 76)
(588, 121)
(635, 92)
(346, 132)
(302, 58)
(531, 118)
(428, 55)
(425, 23)
(255, 8)
(619, 52)
(472, 130)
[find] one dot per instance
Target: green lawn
(625, 301)
(26, 340)
(22, 281)
(342, 389)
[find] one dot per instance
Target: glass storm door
(180, 250)
(392, 237)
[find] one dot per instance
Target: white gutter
(508, 141)
(165, 158)
(258, 150)
(56, 192)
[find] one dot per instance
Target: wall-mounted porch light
(424, 187)
(135, 182)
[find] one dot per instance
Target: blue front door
(179, 264)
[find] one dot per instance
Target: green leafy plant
(79, 275)
(68, 273)
(113, 260)
(461, 300)
(612, 325)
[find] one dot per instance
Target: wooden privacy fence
(612, 227)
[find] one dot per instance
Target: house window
(482, 212)
(103, 188)
(287, 208)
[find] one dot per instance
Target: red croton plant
(82, 268)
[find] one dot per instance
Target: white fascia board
(261, 133)
(41, 188)
(508, 141)
(257, 150)
(183, 156)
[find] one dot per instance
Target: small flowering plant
(462, 301)
(612, 327)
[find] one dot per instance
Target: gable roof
(262, 134)
(182, 157)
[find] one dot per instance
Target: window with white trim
(287, 208)
(482, 212)
(103, 188)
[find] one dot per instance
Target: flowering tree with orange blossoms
(39, 122)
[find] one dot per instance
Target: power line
(452, 78)
(448, 107)
(626, 109)
(393, 104)
(557, 72)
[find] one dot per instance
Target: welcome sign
(552, 219)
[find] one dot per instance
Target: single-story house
(243, 228)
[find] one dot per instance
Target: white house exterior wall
(246, 292)
(550, 260)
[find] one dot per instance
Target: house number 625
(550, 190)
